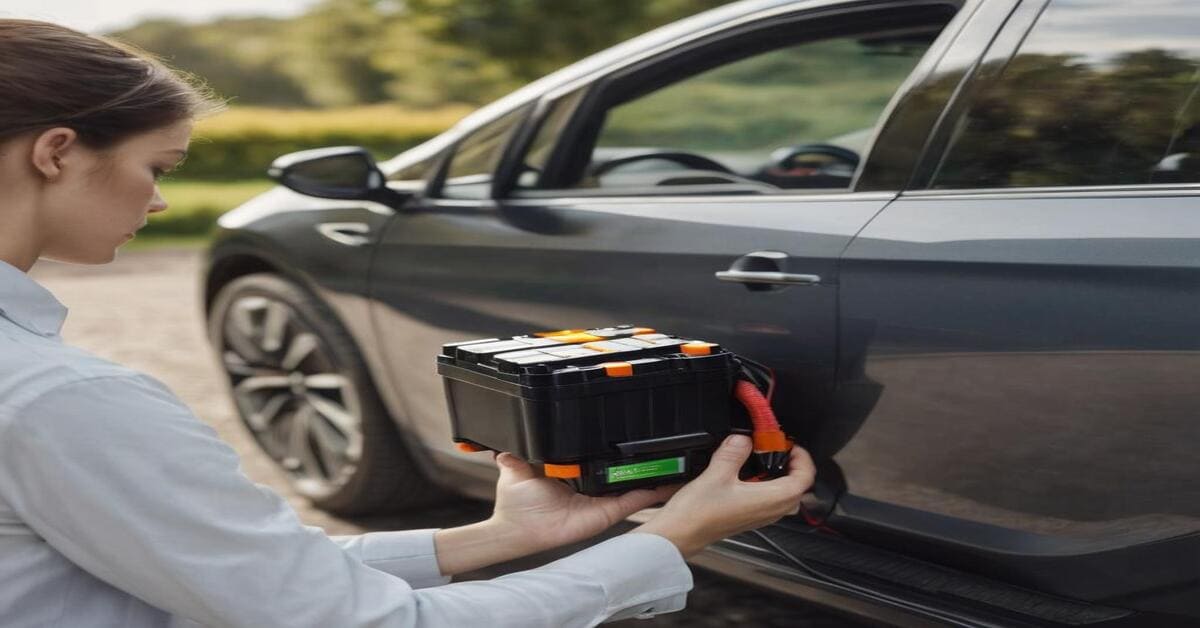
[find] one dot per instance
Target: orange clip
(618, 369)
(697, 348)
(575, 338)
(469, 448)
(562, 471)
(561, 332)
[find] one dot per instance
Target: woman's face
(102, 198)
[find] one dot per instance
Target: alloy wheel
(289, 392)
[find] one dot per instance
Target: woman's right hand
(717, 504)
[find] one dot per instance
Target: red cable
(768, 436)
(757, 406)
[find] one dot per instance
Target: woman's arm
(119, 477)
(534, 514)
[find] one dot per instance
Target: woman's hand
(550, 514)
(717, 504)
(534, 514)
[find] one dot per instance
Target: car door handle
(348, 233)
(768, 277)
(761, 270)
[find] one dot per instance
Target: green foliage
(1068, 120)
(417, 52)
(193, 207)
(243, 59)
(244, 141)
(535, 37)
(802, 94)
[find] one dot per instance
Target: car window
(1099, 93)
(794, 117)
(414, 173)
(475, 159)
(549, 129)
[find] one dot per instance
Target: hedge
(241, 142)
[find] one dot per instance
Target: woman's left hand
(549, 514)
(534, 514)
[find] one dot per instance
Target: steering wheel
(784, 160)
(687, 160)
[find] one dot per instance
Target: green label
(648, 469)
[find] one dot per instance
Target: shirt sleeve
(407, 554)
(120, 477)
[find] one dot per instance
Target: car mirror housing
(339, 172)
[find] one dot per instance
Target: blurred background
(297, 74)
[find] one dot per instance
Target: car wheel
(302, 389)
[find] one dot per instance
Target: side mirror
(339, 172)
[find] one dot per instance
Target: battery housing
(607, 410)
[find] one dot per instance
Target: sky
(98, 16)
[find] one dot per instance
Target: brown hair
(106, 91)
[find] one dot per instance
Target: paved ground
(142, 311)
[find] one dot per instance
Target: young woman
(118, 507)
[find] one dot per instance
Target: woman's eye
(158, 174)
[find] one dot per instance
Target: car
(965, 234)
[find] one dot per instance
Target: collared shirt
(118, 507)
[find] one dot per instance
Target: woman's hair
(106, 91)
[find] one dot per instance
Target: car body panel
(451, 274)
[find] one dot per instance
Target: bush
(193, 206)
(242, 142)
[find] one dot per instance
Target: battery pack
(607, 410)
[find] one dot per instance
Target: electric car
(965, 234)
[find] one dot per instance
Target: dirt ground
(143, 311)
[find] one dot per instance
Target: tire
(302, 389)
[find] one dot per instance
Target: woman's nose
(158, 204)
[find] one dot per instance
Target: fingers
(800, 461)
(513, 469)
(666, 492)
(636, 500)
(800, 476)
(729, 457)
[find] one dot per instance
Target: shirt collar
(26, 303)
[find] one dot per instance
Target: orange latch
(697, 348)
(561, 332)
(618, 369)
(562, 471)
(575, 338)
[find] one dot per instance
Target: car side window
(475, 159)
(1100, 92)
(414, 173)
(794, 116)
(549, 130)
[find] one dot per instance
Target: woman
(118, 507)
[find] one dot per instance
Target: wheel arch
(230, 259)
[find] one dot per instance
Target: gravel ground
(143, 311)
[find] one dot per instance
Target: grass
(193, 207)
(145, 242)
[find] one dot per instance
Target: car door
(1022, 324)
(551, 215)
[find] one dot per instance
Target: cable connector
(771, 446)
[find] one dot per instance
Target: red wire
(757, 406)
(763, 419)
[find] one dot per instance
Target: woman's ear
(50, 148)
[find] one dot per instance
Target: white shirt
(118, 507)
